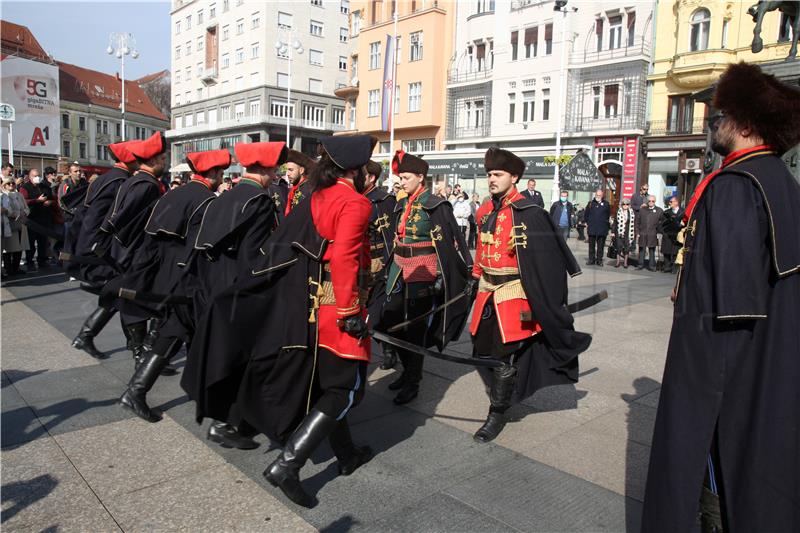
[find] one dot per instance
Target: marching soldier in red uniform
(520, 315)
(298, 168)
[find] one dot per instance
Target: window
(226, 60)
(82, 123)
(725, 24)
(254, 51)
(238, 110)
(374, 55)
(514, 43)
(314, 116)
(512, 107)
(611, 100)
(343, 63)
(225, 112)
(598, 30)
(188, 72)
(701, 24)
(344, 7)
(188, 96)
(528, 105)
(545, 104)
(680, 114)
(631, 27)
(615, 32)
(177, 52)
(627, 96)
(178, 123)
(239, 26)
(283, 80)
(212, 11)
(548, 39)
(314, 86)
(200, 93)
(188, 22)
(65, 121)
(238, 83)
(354, 67)
(66, 149)
(337, 116)
(531, 42)
(315, 57)
(355, 23)
(280, 109)
(419, 145)
(317, 3)
(254, 79)
(255, 21)
(200, 17)
(315, 28)
(595, 102)
(82, 150)
(198, 69)
(200, 117)
(414, 96)
(99, 151)
(785, 29)
(352, 115)
(199, 44)
(373, 103)
(255, 108)
(398, 48)
(177, 27)
(212, 115)
(188, 48)
(105, 127)
(473, 114)
(343, 35)
(415, 52)
(226, 32)
(284, 20)
(239, 56)
(119, 126)
(226, 5)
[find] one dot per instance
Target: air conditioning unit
(692, 164)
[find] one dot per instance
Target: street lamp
(121, 45)
(560, 5)
(285, 48)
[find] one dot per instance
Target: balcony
(639, 49)
(348, 91)
(467, 133)
(468, 75)
(250, 121)
(675, 127)
(516, 5)
(590, 123)
(209, 76)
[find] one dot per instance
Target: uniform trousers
(338, 385)
(400, 307)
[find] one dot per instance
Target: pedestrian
(15, 233)
(625, 233)
(670, 227)
(597, 214)
(474, 205)
(647, 227)
(68, 188)
(580, 223)
(462, 212)
(520, 276)
(39, 198)
(726, 436)
(298, 168)
(533, 194)
(639, 200)
(455, 194)
(561, 213)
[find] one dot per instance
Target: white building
(512, 83)
(229, 81)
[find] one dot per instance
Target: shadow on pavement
(636, 421)
(340, 525)
(22, 494)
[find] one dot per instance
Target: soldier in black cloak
(94, 205)
(163, 266)
(430, 265)
(520, 316)
(727, 431)
(298, 167)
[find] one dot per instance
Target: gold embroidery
(436, 233)
(486, 237)
(501, 218)
(518, 239)
(382, 222)
(312, 316)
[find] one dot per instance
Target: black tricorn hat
(348, 151)
(403, 162)
(499, 159)
(762, 102)
(301, 159)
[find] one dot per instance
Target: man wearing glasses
(647, 227)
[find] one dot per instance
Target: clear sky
(77, 32)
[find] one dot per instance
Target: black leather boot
(154, 343)
(412, 375)
(228, 436)
(349, 455)
(284, 472)
(135, 396)
(399, 382)
(136, 334)
(500, 398)
(389, 357)
(91, 327)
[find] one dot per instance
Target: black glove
(354, 325)
(472, 287)
(438, 285)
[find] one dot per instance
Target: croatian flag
(387, 109)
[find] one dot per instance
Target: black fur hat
(403, 162)
(499, 159)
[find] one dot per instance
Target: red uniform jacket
(341, 215)
(499, 257)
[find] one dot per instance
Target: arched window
(701, 23)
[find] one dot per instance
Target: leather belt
(415, 251)
(499, 279)
(376, 250)
(364, 278)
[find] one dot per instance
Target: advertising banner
(629, 167)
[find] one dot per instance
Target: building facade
(695, 42)
(233, 61)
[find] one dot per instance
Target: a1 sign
(7, 112)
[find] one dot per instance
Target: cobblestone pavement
(573, 458)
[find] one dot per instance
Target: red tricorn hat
(201, 162)
(266, 154)
(150, 147)
(121, 151)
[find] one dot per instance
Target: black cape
(733, 361)
(382, 222)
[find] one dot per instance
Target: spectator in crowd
(226, 185)
(7, 170)
(596, 215)
(51, 178)
(580, 223)
(639, 199)
(474, 204)
(647, 228)
(624, 233)
(670, 226)
(462, 211)
(561, 213)
(39, 198)
(532, 193)
(396, 188)
(175, 183)
(15, 234)
(455, 194)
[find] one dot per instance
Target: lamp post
(121, 45)
(560, 5)
(284, 48)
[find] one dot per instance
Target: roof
(86, 86)
(144, 80)
(18, 40)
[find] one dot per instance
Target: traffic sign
(7, 112)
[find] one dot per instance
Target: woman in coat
(625, 230)
(15, 234)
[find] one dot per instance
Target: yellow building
(425, 45)
(694, 43)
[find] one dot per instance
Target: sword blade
(411, 347)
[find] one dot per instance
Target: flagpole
(394, 85)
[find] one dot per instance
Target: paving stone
(11, 399)
(19, 425)
(635, 421)
(650, 400)
(69, 383)
(93, 408)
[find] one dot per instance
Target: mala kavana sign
(580, 174)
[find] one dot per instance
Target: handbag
(612, 249)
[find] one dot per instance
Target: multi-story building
(522, 70)
(91, 115)
(695, 42)
(233, 61)
(424, 46)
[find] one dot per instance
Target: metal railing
(591, 123)
(639, 48)
(464, 133)
(463, 75)
(677, 127)
(516, 5)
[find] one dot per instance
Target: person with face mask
(726, 430)
(561, 213)
(430, 265)
(39, 198)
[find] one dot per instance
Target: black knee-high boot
(500, 394)
(136, 334)
(284, 472)
(349, 455)
(135, 396)
(91, 327)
